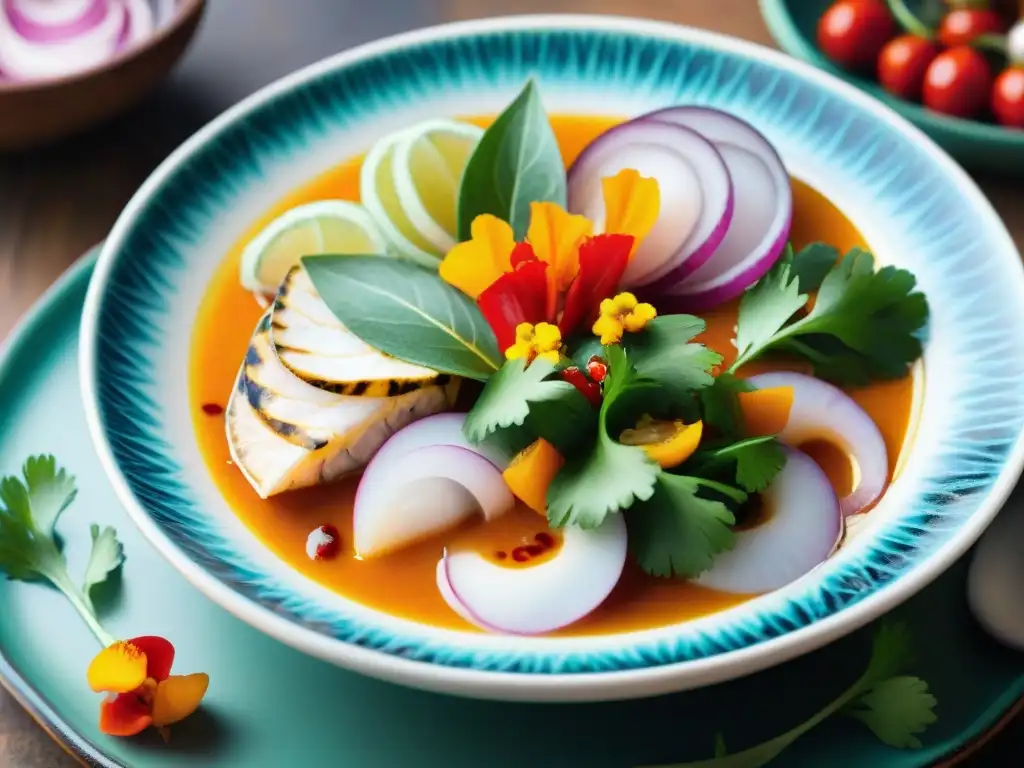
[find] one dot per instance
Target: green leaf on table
(29, 508)
(105, 557)
(521, 395)
(516, 162)
(407, 312)
(897, 710)
(677, 532)
(609, 476)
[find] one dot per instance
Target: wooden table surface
(57, 202)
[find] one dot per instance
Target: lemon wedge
(325, 226)
(428, 163)
(379, 193)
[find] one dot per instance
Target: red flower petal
(125, 714)
(522, 253)
(603, 259)
(514, 298)
(159, 655)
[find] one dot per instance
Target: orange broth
(403, 583)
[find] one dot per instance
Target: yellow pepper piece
(118, 668)
(669, 443)
(473, 265)
(632, 203)
(765, 411)
(531, 472)
(177, 697)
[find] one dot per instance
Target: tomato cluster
(949, 68)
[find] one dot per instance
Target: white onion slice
(427, 491)
(696, 194)
(61, 37)
(803, 528)
(440, 429)
(539, 598)
(762, 219)
(823, 412)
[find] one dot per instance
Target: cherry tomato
(902, 64)
(852, 32)
(958, 82)
(1008, 97)
(962, 25)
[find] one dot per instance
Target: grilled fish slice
(315, 346)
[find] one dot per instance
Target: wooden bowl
(35, 112)
(975, 145)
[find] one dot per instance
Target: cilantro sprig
(30, 507)
(864, 324)
(897, 707)
(609, 476)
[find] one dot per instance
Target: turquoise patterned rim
(915, 207)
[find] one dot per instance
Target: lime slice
(427, 166)
(379, 195)
(326, 226)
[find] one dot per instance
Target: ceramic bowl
(976, 145)
(38, 111)
(915, 207)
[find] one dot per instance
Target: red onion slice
(803, 528)
(62, 37)
(696, 193)
(762, 220)
(429, 490)
(540, 598)
(821, 411)
(440, 429)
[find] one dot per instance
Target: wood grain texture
(56, 203)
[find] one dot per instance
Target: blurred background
(59, 199)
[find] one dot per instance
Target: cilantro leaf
(720, 406)
(677, 532)
(897, 710)
(29, 508)
(511, 393)
(811, 263)
(864, 323)
(609, 476)
(757, 460)
(106, 556)
(664, 352)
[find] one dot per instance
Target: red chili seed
(589, 389)
(546, 540)
(212, 409)
(520, 555)
(597, 368)
(323, 543)
(533, 550)
(501, 555)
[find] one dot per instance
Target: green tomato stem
(994, 43)
(906, 19)
(82, 604)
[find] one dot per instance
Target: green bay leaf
(407, 312)
(516, 162)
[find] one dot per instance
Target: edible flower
(620, 314)
(142, 691)
(560, 274)
(532, 341)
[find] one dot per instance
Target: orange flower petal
(177, 697)
(159, 655)
(632, 203)
(555, 236)
(118, 668)
(124, 715)
(473, 265)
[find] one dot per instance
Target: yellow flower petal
(639, 317)
(546, 337)
(550, 356)
(519, 350)
(177, 697)
(609, 328)
(473, 265)
(624, 302)
(632, 203)
(118, 668)
(555, 236)
(524, 332)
